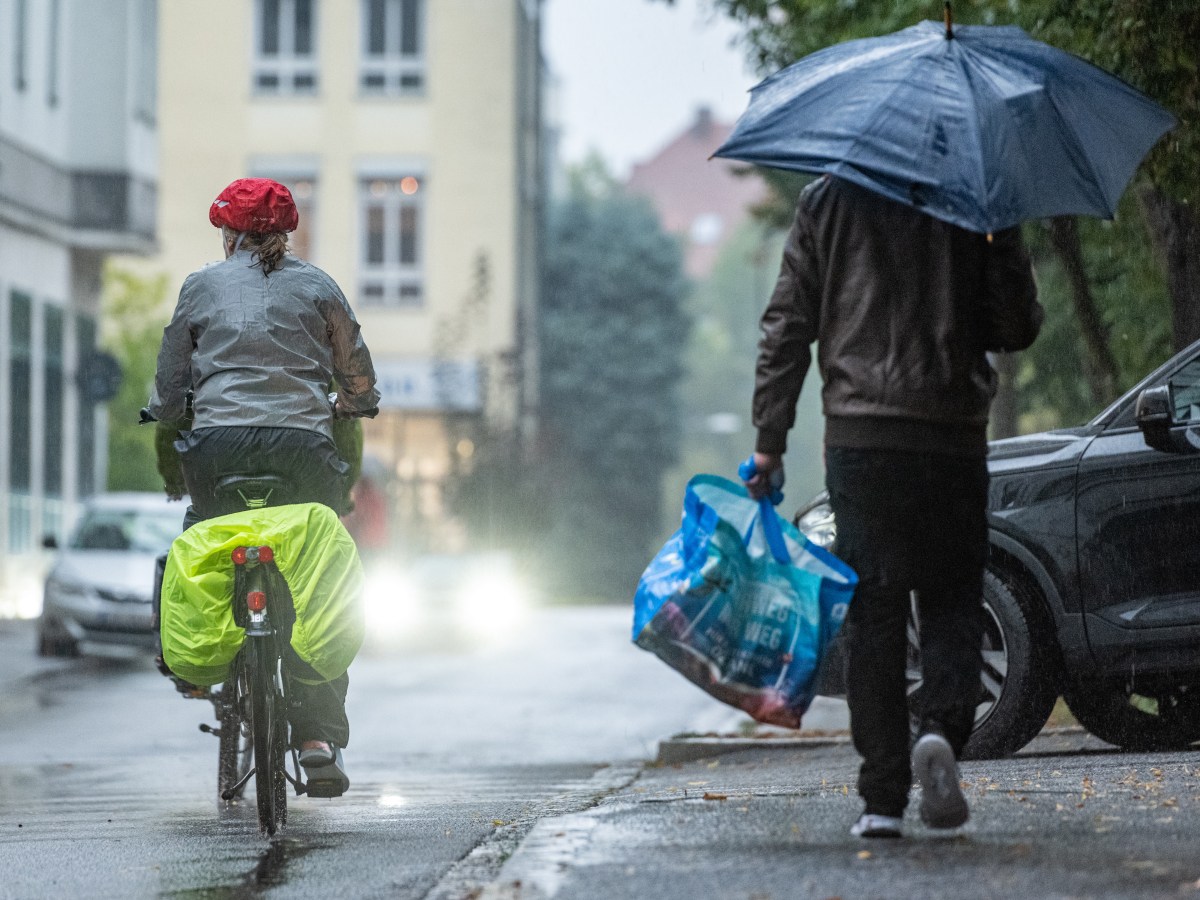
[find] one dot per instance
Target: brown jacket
(903, 308)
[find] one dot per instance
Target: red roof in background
(697, 198)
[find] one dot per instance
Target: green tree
(726, 308)
(132, 331)
(1153, 44)
(612, 333)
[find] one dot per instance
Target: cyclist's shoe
(189, 690)
(314, 754)
(323, 766)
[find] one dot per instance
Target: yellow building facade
(409, 133)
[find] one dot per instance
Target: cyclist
(259, 338)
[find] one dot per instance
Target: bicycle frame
(256, 691)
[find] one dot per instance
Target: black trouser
(909, 522)
(310, 463)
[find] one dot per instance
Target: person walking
(904, 309)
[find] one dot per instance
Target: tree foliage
(726, 308)
(132, 331)
(612, 331)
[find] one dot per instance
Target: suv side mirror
(1155, 417)
(50, 542)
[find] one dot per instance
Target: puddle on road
(270, 871)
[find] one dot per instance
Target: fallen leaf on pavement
(708, 795)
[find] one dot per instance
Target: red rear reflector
(256, 601)
(239, 556)
(266, 554)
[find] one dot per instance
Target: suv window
(1185, 392)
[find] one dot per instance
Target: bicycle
(251, 705)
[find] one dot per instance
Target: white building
(78, 181)
(409, 133)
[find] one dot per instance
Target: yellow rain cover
(316, 557)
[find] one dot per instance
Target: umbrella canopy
(984, 129)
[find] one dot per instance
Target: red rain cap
(255, 204)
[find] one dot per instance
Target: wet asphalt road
(107, 787)
(516, 772)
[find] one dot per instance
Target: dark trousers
(317, 712)
(909, 522)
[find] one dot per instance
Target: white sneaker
(942, 802)
(870, 825)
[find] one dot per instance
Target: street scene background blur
(562, 336)
(561, 292)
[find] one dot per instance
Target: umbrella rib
(975, 131)
(1081, 152)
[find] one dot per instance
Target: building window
(21, 40)
(20, 425)
(304, 193)
(145, 95)
(85, 341)
(285, 60)
(54, 387)
(52, 53)
(391, 216)
(393, 60)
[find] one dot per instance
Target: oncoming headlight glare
(492, 604)
(392, 602)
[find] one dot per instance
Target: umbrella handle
(948, 15)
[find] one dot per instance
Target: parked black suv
(1093, 583)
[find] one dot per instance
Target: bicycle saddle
(253, 491)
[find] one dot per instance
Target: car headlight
(392, 603)
(817, 524)
(66, 590)
(492, 604)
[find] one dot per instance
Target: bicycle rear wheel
(235, 725)
(269, 737)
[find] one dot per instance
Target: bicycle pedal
(326, 790)
(327, 781)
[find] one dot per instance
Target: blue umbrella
(982, 126)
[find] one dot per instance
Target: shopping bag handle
(767, 516)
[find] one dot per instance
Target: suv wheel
(1169, 720)
(1018, 684)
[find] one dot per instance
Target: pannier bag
(319, 563)
(741, 603)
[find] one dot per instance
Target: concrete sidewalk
(1069, 817)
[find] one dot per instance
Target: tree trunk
(1100, 367)
(1176, 233)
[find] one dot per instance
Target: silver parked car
(99, 587)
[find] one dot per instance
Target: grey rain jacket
(261, 350)
(904, 309)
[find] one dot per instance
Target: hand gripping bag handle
(767, 516)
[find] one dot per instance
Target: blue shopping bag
(741, 603)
